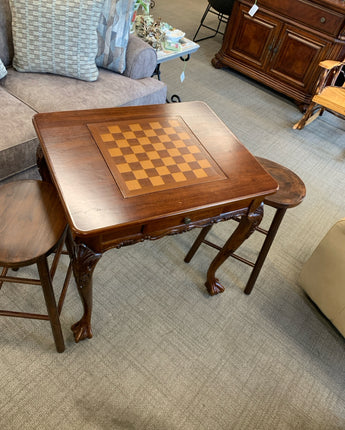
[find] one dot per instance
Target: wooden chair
(291, 192)
(222, 9)
(328, 96)
(33, 226)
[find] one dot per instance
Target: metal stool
(290, 194)
(221, 8)
(33, 226)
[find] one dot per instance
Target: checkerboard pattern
(145, 156)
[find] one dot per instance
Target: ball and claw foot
(215, 287)
(81, 330)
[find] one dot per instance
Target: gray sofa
(24, 94)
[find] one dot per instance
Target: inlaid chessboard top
(146, 155)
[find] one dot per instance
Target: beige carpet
(167, 356)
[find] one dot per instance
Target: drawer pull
(187, 220)
(322, 19)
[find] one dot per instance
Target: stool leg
(198, 241)
(201, 22)
(3, 273)
(277, 219)
(49, 297)
(220, 20)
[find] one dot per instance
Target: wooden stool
(33, 225)
(290, 194)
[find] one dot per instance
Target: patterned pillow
(113, 33)
(56, 36)
(3, 71)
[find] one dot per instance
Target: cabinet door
(296, 57)
(252, 38)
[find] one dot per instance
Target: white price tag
(253, 9)
(182, 76)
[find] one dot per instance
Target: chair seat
(222, 6)
(23, 208)
(332, 98)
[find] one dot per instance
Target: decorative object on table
(67, 48)
(144, 5)
(160, 35)
(3, 71)
(139, 7)
(175, 35)
(150, 31)
(113, 33)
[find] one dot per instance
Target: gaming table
(129, 174)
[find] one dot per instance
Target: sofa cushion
(18, 139)
(55, 36)
(47, 93)
(113, 32)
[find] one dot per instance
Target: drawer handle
(322, 19)
(187, 220)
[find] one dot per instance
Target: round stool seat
(222, 6)
(32, 221)
(291, 187)
(291, 192)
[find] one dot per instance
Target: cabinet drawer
(309, 14)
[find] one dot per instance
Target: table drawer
(186, 221)
(121, 236)
(311, 15)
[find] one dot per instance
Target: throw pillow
(113, 33)
(3, 71)
(56, 36)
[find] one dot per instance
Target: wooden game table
(129, 174)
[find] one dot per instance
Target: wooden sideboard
(283, 43)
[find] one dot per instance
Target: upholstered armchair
(323, 276)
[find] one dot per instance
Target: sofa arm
(141, 59)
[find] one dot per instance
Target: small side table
(188, 47)
(183, 169)
(145, 27)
